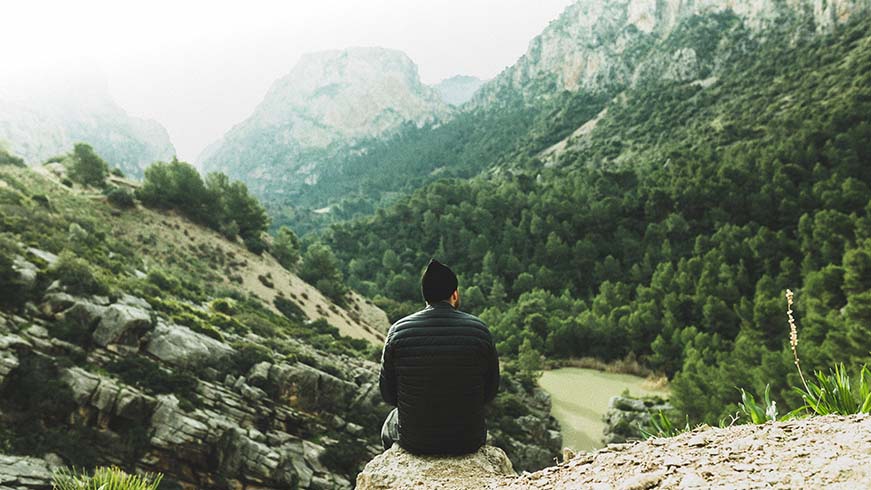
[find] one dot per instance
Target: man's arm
(387, 378)
(491, 385)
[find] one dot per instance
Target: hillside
(43, 119)
(329, 101)
(135, 337)
(820, 452)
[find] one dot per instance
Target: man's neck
(441, 304)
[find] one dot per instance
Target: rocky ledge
(397, 468)
(829, 452)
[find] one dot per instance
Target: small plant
(662, 426)
(104, 479)
(758, 413)
(833, 393)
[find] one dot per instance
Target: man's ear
(455, 296)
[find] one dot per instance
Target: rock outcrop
(397, 468)
(829, 452)
(626, 416)
(594, 46)
(251, 430)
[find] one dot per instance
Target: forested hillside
(671, 230)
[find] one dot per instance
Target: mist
(200, 67)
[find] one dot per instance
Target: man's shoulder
(428, 316)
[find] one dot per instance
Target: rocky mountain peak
(329, 98)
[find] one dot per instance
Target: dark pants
(390, 429)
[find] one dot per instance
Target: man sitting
(439, 368)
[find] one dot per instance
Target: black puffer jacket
(440, 367)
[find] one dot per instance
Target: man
(439, 368)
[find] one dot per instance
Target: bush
(147, 375)
(77, 275)
(104, 479)
(7, 158)
(289, 309)
(249, 354)
(121, 198)
(87, 167)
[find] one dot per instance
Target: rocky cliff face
(45, 120)
(328, 101)
(595, 46)
(278, 424)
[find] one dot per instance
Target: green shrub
(121, 198)
(289, 308)
(163, 280)
(77, 275)
(147, 375)
(7, 158)
(87, 167)
(226, 306)
(104, 479)
(248, 354)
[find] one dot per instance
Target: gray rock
(182, 346)
(20, 472)
(122, 324)
(48, 257)
(27, 272)
(56, 302)
(84, 312)
(397, 468)
(310, 388)
(130, 300)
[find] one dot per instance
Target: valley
(580, 400)
(642, 184)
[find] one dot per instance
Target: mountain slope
(43, 120)
(572, 72)
(328, 101)
(134, 337)
(669, 230)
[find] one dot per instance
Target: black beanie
(438, 282)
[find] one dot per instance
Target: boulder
(27, 272)
(310, 388)
(182, 346)
(20, 473)
(48, 257)
(122, 324)
(399, 469)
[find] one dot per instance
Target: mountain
(584, 62)
(656, 216)
(327, 102)
(43, 119)
(458, 89)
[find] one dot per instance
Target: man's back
(439, 368)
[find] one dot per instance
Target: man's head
(439, 283)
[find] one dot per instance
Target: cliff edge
(820, 452)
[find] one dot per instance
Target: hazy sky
(199, 67)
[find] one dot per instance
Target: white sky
(199, 67)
